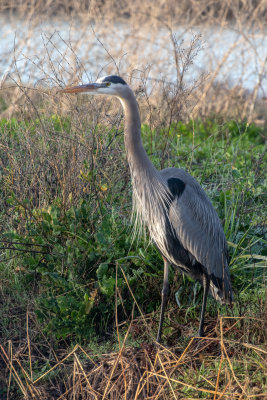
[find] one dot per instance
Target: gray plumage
(177, 212)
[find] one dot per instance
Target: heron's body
(192, 237)
(173, 206)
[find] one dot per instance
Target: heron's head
(108, 85)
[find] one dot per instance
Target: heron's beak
(82, 88)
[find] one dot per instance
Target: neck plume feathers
(150, 192)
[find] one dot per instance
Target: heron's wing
(200, 232)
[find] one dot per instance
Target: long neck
(136, 154)
(150, 193)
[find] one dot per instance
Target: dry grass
(224, 365)
(186, 11)
(63, 42)
(54, 156)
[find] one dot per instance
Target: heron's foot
(198, 336)
(161, 346)
(158, 342)
(201, 333)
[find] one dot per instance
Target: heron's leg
(206, 286)
(164, 298)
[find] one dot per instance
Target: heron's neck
(136, 154)
(150, 194)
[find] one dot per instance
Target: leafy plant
(87, 243)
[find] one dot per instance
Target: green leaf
(102, 271)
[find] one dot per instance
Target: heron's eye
(108, 84)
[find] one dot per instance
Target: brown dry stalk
(9, 363)
(95, 393)
(184, 383)
(57, 364)
(224, 390)
(218, 377)
(136, 303)
(122, 373)
(116, 362)
(166, 376)
(228, 359)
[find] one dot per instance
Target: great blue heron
(177, 212)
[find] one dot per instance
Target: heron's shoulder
(182, 182)
(178, 173)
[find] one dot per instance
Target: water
(56, 52)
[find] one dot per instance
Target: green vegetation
(81, 264)
(74, 277)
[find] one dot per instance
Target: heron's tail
(221, 289)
